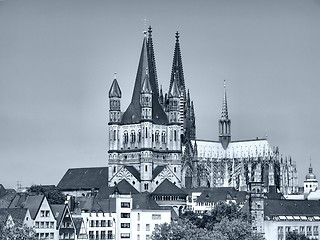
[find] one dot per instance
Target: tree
(236, 229)
(295, 236)
(52, 193)
(17, 232)
(184, 230)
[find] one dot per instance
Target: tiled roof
(215, 195)
(2, 190)
(133, 112)
(58, 211)
(77, 223)
(7, 198)
(18, 214)
(167, 188)
(291, 208)
(124, 187)
(84, 178)
(157, 170)
(33, 203)
(134, 172)
(144, 201)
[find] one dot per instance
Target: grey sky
(57, 60)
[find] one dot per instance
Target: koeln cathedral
(154, 139)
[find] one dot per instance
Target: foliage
(224, 222)
(52, 193)
(184, 230)
(295, 236)
(18, 232)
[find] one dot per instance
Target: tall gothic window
(125, 137)
(133, 136)
(157, 136)
(163, 137)
(139, 135)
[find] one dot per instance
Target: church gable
(130, 174)
(160, 173)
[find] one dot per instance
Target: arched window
(146, 186)
(175, 135)
(157, 135)
(163, 137)
(125, 137)
(133, 136)
(114, 135)
(146, 132)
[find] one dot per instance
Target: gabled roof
(3, 217)
(18, 214)
(133, 112)
(7, 198)
(144, 201)
(58, 212)
(157, 170)
(33, 203)
(124, 187)
(167, 188)
(78, 223)
(291, 208)
(133, 171)
(84, 178)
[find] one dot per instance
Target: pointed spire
(224, 114)
(310, 167)
(177, 66)
(133, 112)
(115, 89)
(152, 62)
(174, 90)
(146, 87)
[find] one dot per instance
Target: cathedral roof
(167, 188)
(134, 172)
(115, 89)
(157, 170)
(147, 61)
(146, 87)
(84, 178)
(236, 149)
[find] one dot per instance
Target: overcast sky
(57, 60)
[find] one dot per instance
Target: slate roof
(18, 214)
(77, 223)
(3, 217)
(33, 203)
(215, 195)
(123, 187)
(167, 188)
(134, 172)
(58, 211)
(7, 198)
(133, 112)
(2, 190)
(291, 208)
(157, 170)
(144, 201)
(84, 178)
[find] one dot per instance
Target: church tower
(147, 147)
(224, 122)
(311, 182)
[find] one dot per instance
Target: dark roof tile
(168, 188)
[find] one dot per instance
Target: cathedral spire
(224, 113)
(224, 122)
(147, 61)
(177, 67)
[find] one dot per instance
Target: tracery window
(133, 136)
(157, 135)
(163, 137)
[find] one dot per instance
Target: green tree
(184, 230)
(52, 193)
(17, 232)
(236, 229)
(295, 236)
